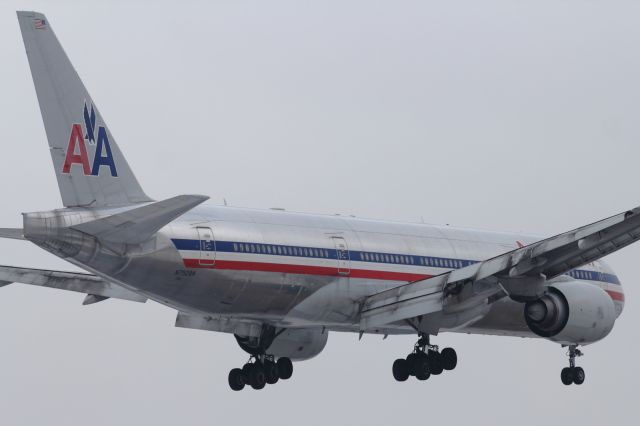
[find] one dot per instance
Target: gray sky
(518, 116)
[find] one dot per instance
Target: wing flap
(399, 303)
(71, 281)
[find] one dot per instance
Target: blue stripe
(360, 256)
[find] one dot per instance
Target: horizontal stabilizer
(15, 233)
(138, 225)
(72, 281)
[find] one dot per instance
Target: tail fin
(89, 166)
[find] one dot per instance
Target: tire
(435, 363)
(285, 368)
(578, 375)
(400, 370)
(271, 372)
(449, 358)
(246, 369)
(411, 361)
(566, 376)
(422, 368)
(257, 379)
(236, 379)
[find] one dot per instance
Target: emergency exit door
(207, 246)
(342, 254)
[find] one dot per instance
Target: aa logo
(77, 148)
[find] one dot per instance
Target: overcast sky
(503, 115)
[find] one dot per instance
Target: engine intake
(571, 312)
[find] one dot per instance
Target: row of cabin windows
(280, 250)
(409, 260)
(387, 258)
(324, 253)
(581, 275)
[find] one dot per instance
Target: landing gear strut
(572, 374)
(424, 361)
(264, 370)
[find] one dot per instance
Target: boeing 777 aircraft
(281, 281)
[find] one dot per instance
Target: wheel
(236, 379)
(566, 376)
(400, 370)
(285, 368)
(411, 360)
(246, 369)
(435, 362)
(271, 372)
(257, 379)
(449, 358)
(422, 368)
(578, 375)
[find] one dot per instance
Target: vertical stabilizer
(89, 166)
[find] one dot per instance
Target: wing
(95, 287)
(522, 274)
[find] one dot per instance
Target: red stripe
(615, 295)
(322, 270)
(305, 270)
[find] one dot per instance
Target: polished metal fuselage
(276, 266)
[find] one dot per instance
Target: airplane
(280, 281)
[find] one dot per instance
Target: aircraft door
(342, 252)
(207, 245)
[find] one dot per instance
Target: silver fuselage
(290, 269)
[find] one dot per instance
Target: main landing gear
(261, 372)
(262, 368)
(424, 361)
(572, 374)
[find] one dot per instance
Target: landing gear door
(342, 254)
(207, 246)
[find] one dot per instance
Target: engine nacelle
(299, 344)
(571, 313)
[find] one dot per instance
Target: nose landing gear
(572, 374)
(424, 361)
(261, 372)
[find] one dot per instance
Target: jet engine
(299, 344)
(571, 312)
